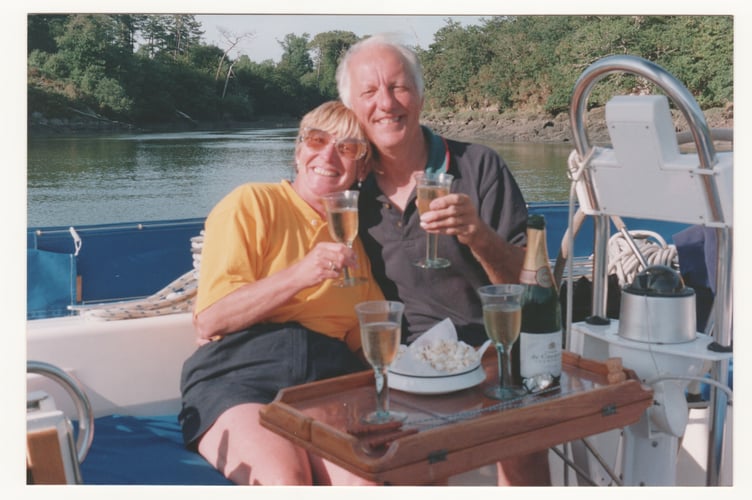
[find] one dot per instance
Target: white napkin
(443, 330)
(440, 339)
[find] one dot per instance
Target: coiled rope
(623, 262)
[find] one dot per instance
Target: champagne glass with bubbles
(502, 317)
(380, 333)
(430, 185)
(342, 216)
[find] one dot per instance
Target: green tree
(295, 61)
(92, 57)
(328, 48)
(259, 82)
(154, 33)
(697, 50)
(170, 34)
(294, 76)
(86, 44)
(42, 30)
(154, 68)
(183, 33)
(129, 25)
(523, 51)
(204, 58)
(451, 63)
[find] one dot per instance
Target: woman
(268, 315)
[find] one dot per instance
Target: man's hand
(455, 215)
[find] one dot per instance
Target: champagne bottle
(537, 351)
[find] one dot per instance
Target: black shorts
(251, 366)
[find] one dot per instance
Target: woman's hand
(324, 262)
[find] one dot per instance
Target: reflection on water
(540, 169)
(148, 176)
(141, 177)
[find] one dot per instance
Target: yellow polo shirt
(260, 229)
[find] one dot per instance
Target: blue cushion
(144, 450)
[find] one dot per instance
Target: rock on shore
(518, 127)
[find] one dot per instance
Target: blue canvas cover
(50, 283)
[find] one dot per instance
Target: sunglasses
(349, 147)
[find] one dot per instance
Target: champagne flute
(502, 316)
(342, 215)
(380, 332)
(430, 185)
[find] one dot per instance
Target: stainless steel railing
(722, 311)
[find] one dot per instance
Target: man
(481, 223)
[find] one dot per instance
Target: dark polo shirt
(394, 240)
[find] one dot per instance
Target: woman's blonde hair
(333, 117)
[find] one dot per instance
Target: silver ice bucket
(657, 308)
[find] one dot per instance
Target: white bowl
(436, 384)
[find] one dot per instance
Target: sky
(268, 29)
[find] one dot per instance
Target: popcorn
(444, 356)
(437, 352)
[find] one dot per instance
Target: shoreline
(468, 126)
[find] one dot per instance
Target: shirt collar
(438, 151)
(438, 160)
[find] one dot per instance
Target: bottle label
(540, 353)
(541, 277)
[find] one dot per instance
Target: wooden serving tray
(453, 433)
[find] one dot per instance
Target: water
(540, 169)
(146, 177)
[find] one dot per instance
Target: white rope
(177, 297)
(76, 240)
(576, 166)
(623, 262)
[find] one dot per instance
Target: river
(147, 177)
